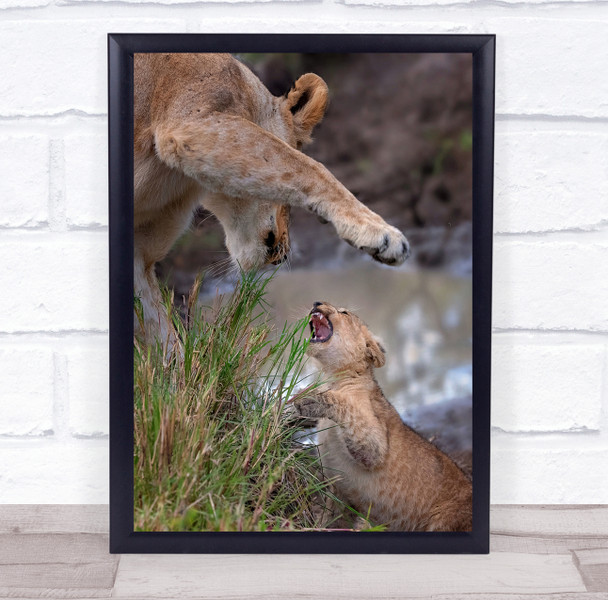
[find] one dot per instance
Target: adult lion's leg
(234, 156)
(152, 243)
(151, 317)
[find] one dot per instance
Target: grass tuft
(215, 446)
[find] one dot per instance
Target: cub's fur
(207, 130)
(382, 467)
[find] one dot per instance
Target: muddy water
(423, 318)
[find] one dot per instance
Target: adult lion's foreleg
(151, 318)
(152, 241)
(236, 157)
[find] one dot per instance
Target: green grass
(215, 443)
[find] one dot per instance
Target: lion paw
(386, 244)
(311, 407)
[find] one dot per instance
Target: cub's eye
(343, 312)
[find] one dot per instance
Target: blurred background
(398, 135)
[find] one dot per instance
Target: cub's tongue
(321, 327)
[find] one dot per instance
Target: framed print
(300, 292)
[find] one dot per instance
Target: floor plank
(556, 520)
(83, 580)
(544, 545)
(40, 548)
(593, 566)
(338, 576)
(50, 518)
(57, 565)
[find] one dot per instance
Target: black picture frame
(123, 538)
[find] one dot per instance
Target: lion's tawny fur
(382, 467)
(207, 130)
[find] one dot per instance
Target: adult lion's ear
(374, 351)
(307, 101)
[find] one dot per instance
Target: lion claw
(393, 251)
(401, 256)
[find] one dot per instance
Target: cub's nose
(315, 305)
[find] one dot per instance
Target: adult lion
(207, 130)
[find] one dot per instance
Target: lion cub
(383, 468)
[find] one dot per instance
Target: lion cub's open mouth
(320, 326)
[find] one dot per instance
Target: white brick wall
(60, 65)
(54, 281)
(537, 378)
(550, 384)
(26, 404)
(552, 282)
(87, 371)
(54, 471)
(15, 180)
(534, 196)
(86, 185)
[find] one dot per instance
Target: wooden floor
(545, 552)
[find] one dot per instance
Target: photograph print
(303, 307)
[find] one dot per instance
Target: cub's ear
(374, 351)
(307, 101)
